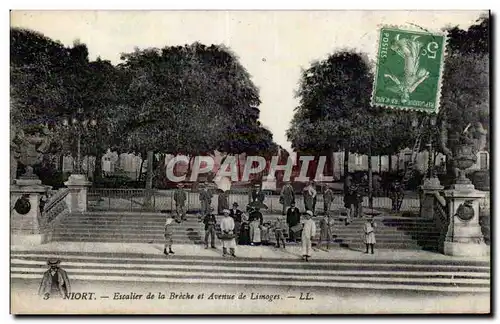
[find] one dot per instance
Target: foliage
(335, 111)
(191, 99)
(465, 90)
(50, 83)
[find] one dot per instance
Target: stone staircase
(93, 269)
(391, 232)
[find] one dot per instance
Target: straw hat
(53, 262)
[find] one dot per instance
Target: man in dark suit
(180, 198)
(257, 197)
(292, 219)
(210, 223)
(236, 214)
(205, 200)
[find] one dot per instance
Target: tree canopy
(191, 99)
(465, 90)
(335, 112)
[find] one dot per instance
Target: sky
(272, 45)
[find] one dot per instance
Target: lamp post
(79, 124)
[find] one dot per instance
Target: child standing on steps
(369, 229)
(169, 231)
(326, 230)
(280, 228)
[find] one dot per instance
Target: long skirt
(306, 246)
(309, 202)
(244, 238)
(370, 238)
(237, 229)
(255, 232)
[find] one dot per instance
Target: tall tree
(193, 100)
(335, 112)
(465, 90)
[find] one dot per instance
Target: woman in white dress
(256, 221)
(369, 229)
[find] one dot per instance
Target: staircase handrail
(55, 198)
(55, 207)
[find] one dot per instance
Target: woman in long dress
(256, 221)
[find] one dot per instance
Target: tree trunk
(149, 181)
(346, 167)
(380, 164)
(329, 163)
(140, 169)
(390, 163)
(98, 166)
(189, 169)
(370, 179)
(160, 171)
(61, 162)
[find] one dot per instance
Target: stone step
(160, 230)
(190, 238)
(363, 273)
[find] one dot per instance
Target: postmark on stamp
(409, 69)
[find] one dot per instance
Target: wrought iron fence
(163, 200)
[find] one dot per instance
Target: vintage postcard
(250, 162)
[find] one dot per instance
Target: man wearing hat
(205, 200)
(227, 235)
(308, 232)
(55, 281)
(257, 197)
(210, 223)
(180, 198)
(236, 214)
(287, 196)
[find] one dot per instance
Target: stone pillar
(464, 236)
(78, 187)
(429, 189)
(25, 224)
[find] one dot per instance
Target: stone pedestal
(78, 187)
(464, 236)
(25, 228)
(430, 188)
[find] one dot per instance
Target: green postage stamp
(409, 69)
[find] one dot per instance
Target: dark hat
(52, 262)
(235, 204)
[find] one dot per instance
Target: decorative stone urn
(465, 157)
